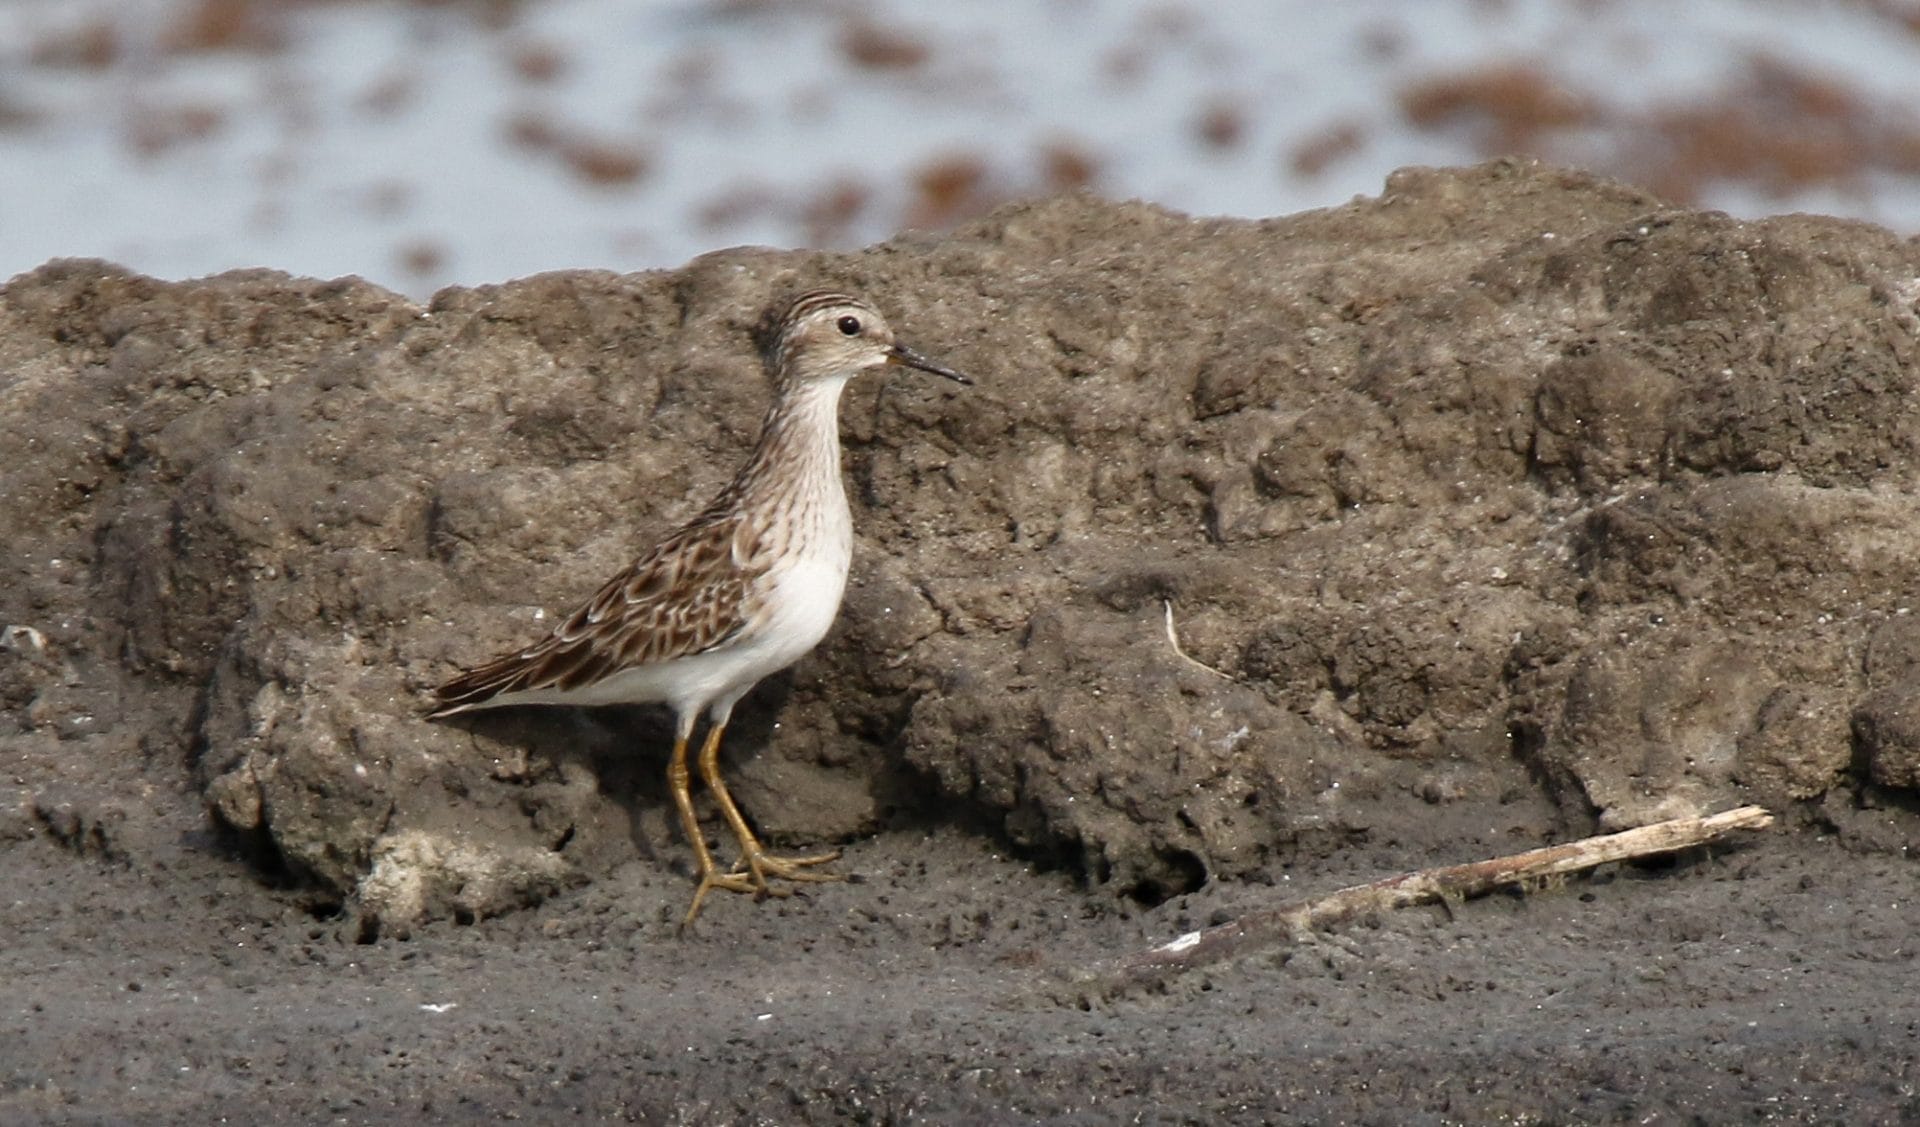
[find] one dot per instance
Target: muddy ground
(1502, 508)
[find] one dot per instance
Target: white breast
(806, 601)
(804, 593)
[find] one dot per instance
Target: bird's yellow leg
(710, 875)
(755, 861)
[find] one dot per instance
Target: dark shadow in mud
(626, 749)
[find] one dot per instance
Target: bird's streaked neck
(800, 439)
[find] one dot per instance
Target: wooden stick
(1273, 927)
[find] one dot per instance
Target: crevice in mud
(1180, 872)
(254, 847)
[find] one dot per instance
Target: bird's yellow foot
(752, 872)
(713, 878)
(757, 865)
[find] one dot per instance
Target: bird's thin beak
(904, 357)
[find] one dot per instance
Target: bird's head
(824, 335)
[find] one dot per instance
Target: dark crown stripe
(772, 334)
(807, 304)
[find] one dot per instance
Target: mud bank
(1508, 505)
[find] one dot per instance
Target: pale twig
(1174, 641)
(1273, 927)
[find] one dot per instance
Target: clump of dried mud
(1509, 504)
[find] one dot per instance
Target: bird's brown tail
(474, 689)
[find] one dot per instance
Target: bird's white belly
(806, 600)
(793, 614)
(803, 605)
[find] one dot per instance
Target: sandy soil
(1475, 538)
(1765, 983)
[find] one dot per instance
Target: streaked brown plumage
(684, 597)
(742, 590)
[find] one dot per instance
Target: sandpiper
(743, 590)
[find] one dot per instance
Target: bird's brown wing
(691, 593)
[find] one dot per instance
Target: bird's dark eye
(850, 325)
